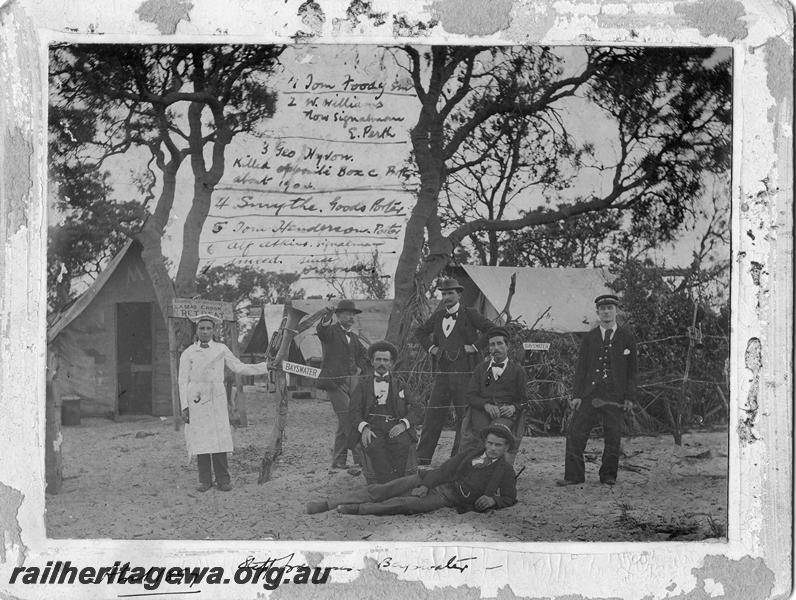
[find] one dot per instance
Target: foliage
(245, 287)
(670, 109)
(92, 230)
(173, 101)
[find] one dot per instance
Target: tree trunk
(406, 272)
(185, 281)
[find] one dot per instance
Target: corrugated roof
(569, 292)
(82, 302)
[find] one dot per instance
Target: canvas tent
(110, 346)
(568, 292)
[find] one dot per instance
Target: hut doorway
(134, 358)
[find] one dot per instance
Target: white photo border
(755, 563)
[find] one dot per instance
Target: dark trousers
(585, 419)
(388, 456)
(391, 498)
(340, 403)
(449, 388)
(220, 467)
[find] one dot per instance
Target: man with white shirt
(606, 370)
(477, 480)
(384, 414)
(497, 390)
(203, 400)
(449, 335)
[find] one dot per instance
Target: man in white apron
(203, 400)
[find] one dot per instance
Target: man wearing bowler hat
(384, 415)
(344, 358)
(604, 387)
(477, 480)
(449, 335)
(203, 400)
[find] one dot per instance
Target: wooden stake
(289, 328)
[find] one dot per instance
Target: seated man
(384, 414)
(470, 480)
(497, 390)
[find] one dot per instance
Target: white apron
(202, 391)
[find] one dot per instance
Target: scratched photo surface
(312, 173)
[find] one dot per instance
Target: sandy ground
(133, 479)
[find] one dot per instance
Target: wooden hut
(111, 344)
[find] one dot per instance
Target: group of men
(377, 414)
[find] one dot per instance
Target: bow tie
(204, 345)
(450, 315)
(498, 365)
(380, 379)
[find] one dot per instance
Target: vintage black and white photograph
(388, 292)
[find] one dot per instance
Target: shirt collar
(603, 329)
(454, 309)
(505, 362)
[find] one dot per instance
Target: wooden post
(278, 352)
(174, 368)
(238, 398)
(53, 460)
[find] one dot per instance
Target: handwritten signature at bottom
(454, 563)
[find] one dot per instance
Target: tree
(505, 161)
(94, 228)
(244, 287)
(176, 102)
(363, 279)
(670, 107)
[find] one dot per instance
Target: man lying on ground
(477, 480)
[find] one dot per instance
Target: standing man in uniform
(497, 390)
(203, 400)
(343, 360)
(606, 371)
(384, 415)
(449, 335)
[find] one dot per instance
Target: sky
(323, 183)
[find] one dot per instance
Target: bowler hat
(449, 283)
(346, 305)
(382, 346)
(606, 299)
(501, 428)
(495, 331)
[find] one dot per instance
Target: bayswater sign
(544, 347)
(303, 370)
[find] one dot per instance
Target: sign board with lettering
(539, 346)
(303, 370)
(187, 308)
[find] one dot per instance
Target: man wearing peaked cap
(344, 358)
(497, 390)
(449, 335)
(606, 371)
(203, 401)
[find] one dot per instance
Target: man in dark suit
(497, 390)
(450, 335)
(606, 372)
(384, 414)
(477, 480)
(343, 359)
